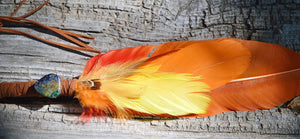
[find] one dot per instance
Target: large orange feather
(242, 75)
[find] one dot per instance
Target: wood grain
(125, 23)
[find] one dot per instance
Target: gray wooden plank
(124, 23)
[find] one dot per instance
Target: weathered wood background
(125, 23)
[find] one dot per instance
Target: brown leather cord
(68, 35)
(30, 13)
(20, 5)
(68, 87)
(26, 89)
(47, 41)
(15, 89)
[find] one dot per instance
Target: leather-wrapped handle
(26, 89)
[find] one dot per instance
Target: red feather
(118, 56)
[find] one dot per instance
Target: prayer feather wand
(174, 79)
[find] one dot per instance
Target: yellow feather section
(144, 89)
